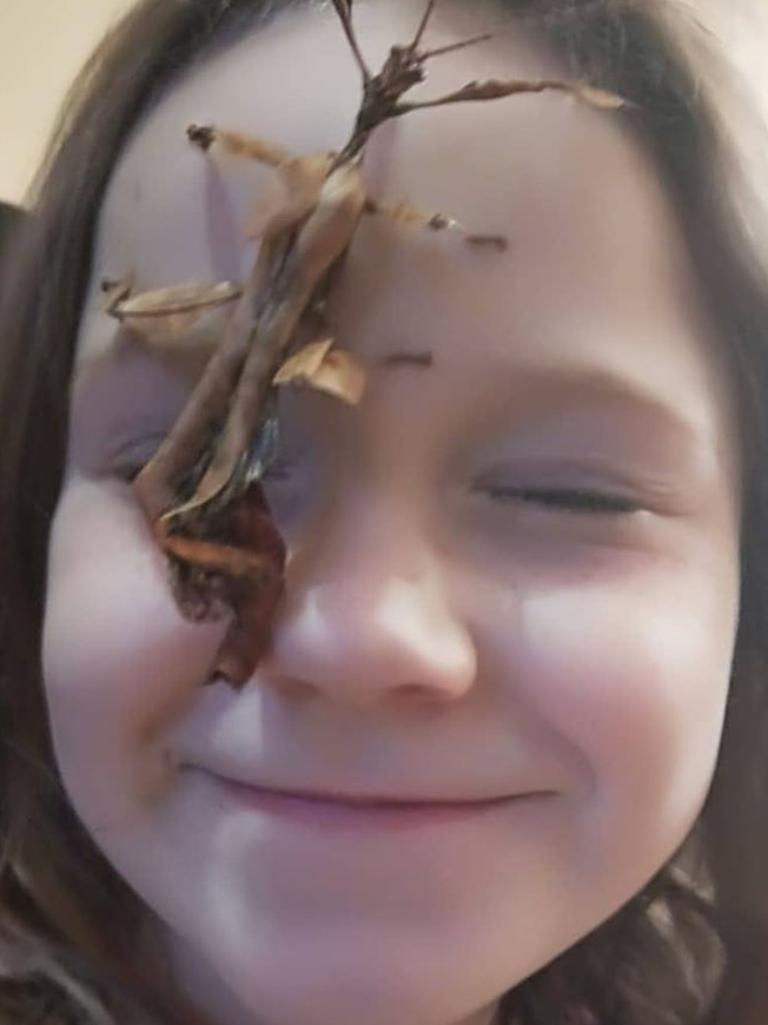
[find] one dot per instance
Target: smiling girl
(503, 760)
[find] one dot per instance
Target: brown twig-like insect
(201, 491)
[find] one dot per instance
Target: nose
(367, 617)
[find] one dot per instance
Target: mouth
(322, 810)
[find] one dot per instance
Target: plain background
(42, 45)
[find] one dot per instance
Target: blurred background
(42, 45)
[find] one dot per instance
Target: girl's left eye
(129, 463)
(574, 500)
(130, 471)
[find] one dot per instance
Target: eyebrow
(93, 369)
(578, 383)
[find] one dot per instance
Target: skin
(441, 636)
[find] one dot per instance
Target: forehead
(524, 166)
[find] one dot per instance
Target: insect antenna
(344, 11)
(428, 54)
(422, 25)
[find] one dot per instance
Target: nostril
(420, 691)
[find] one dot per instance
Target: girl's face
(458, 622)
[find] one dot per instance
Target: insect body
(201, 491)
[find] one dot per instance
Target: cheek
(629, 677)
(119, 661)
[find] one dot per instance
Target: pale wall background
(42, 45)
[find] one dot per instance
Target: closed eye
(128, 463)
(567, 499)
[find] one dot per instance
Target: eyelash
(130, 473)
(279, 469)
(574, 500)
(129, 469)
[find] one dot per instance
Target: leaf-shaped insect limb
(177, 314)
(320, 366)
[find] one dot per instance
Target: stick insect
(201, 491)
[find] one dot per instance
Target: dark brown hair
(10, 219)
(692, 947)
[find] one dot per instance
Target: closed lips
(375, 800)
